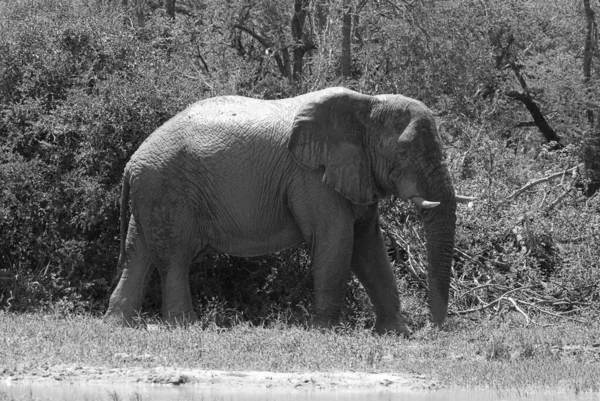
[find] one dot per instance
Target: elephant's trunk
(439, 233)
(440, 227)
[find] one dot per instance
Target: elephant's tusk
(424, 204)
(464, 199)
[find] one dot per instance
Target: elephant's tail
(124, 222)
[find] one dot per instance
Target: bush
(81, 88)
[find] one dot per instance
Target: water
(64, 391)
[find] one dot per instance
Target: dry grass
(497, 353)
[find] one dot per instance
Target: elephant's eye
(425, 212)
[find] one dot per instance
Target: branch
(539, 119)
(494, 302)
(516, 306)
(524, 124)
(256, 36)
(281, 64)
(478, 309)
(199, 54)
(413, 273)
(541, 180)
(564, 195)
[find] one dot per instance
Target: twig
(516, 306)
(564, 195)
(470, 258)
(551, 313)
(557, 200)
(266, 44)
(494, 302)
(415, 275)
(478, 309)
(479, 287)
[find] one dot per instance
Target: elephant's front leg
(371, 265)
(331, 253)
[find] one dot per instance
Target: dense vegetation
(83, 82)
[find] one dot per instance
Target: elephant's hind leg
(177, 307)
(126, 300)
(175, 246)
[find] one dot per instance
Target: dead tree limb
(540, 181)
(538, 117)
(507, 56)
(282, 63)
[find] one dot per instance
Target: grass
(498, 353)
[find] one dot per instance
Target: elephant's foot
(119, 318)
(181, 319)
(396, 325)
(323, 324)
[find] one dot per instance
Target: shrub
(80, 90)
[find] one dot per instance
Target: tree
(591, 145)
(286, 47)
(349, 19)
(301, 45)
(506, 57)
(139, 12)
(591, 40)
(170, 8)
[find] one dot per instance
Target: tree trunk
(139, 12)
(320, 15)
(591, 144)
(286, 69)
(300, 48)
(170, 8)
(345, 61)
(588, 50)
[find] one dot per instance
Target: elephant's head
(374, 146)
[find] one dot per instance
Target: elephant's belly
(258, 242)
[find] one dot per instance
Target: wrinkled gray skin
(248, 177)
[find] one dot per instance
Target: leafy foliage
(81, 87)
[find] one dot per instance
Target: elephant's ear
(330, 132)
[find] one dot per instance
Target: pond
(65, 391)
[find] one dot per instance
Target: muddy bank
(165, 384)
(216, 378)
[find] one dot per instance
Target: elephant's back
(215, 126)
(230, 112)
(226, 159)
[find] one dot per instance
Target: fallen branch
(413, 272)
(559, 315)
(540, 181)
(567, 191)
(516, 306)
(490, 304)
(557, 200)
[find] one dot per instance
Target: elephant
(248, 177)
